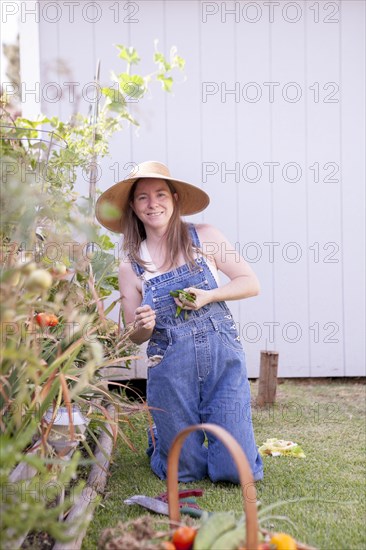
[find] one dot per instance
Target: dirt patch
(38, 541)
(330, 380)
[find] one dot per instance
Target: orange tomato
(52, 320)
(42, 319)
(46, 319)
(283, 541)
(183, 537)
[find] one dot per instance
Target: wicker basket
(245, 476)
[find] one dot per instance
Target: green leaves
(110, 211)
(159, 58)
(166, 81)
(184, 297)
(114, 100)
(165, 67)
(175, 61)
(131, 86)
(128, 54)
(105, 242)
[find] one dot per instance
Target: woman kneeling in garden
(196, 364)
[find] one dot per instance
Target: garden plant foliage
(55, 331)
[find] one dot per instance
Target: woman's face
(153, 202)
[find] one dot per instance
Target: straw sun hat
(112, 205)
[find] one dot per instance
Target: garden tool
(159, 504)
(187, 501)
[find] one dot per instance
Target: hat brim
(111, 206)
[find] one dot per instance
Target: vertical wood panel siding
(302, 230)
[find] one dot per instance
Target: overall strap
(136, 267)
(194, 236)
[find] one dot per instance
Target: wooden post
(267, 378)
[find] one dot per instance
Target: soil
(318, 381)
(38, 541)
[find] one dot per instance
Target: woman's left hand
(202, 298)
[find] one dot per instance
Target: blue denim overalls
(199, 375)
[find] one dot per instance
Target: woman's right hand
(145, 318)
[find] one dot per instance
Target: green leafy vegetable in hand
(184, 297)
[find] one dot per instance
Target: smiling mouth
(154, 214)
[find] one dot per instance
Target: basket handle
(245, 476)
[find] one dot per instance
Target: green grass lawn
(326, 419)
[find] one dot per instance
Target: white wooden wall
(303, 229)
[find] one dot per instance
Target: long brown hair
(178, 239)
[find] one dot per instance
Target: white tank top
(153, 272)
